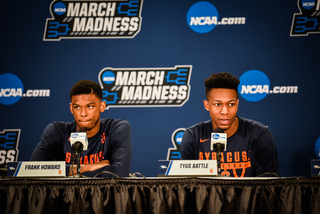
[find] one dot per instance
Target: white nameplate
(36, 169)
(188, 168)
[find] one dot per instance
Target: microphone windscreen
(219, 130)
(81, 130)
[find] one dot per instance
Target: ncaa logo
(108, 77)
(216, 136)
(308, 4)
(11, 89)
(75, 135)
(59, 8)
(202, 17)
(254, 85)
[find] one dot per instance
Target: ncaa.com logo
(11, 90)
(203, 17)
(255, 86)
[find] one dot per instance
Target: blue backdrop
(239, 36)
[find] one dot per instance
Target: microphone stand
(77, 148)
(218, 147)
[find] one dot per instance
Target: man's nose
(83, 112)
(224, 110)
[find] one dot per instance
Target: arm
(266, 154)
(48, 148)
(121, 153)
(187, 149)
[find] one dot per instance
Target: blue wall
(166, 40)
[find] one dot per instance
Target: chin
(226, 127)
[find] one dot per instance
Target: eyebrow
(234, 100)
(86, 104)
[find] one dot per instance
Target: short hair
(221, 80)
(86, 87)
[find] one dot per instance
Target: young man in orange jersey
(251, 150)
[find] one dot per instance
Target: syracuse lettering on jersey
(87, 159)
(230, 160)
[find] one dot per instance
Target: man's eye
(76, 107)
(231, 104)
(216, 104)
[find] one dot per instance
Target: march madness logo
(145, 87)
(308, 20)
(93, 19)
(9, 140)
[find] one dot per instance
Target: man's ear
(206, 105)
(71, 109)
(103, 106)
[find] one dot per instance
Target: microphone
(218, 140)
(218, 144)
(79, 142)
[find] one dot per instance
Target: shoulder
(200, 126)
(252, 126)
(197, 131)
(112, 124)
(58, 130)
(60, 126)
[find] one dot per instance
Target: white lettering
(73, 10)
(146, 92)
(98, 25)
(11, 92)
(100, 11)
(165, 92)
(116, 24)
(159, 78)
(127, 93)
(132, 78)
(125, 24)
(150, 81)
(122, 79)
(89, 26)
(138, 93)
(254, 89)
(83, 10)
(141, 78)
(182, 92)
(134, 24)
(93, 9)
(173, 92)
(285, 89)
(233, 20)
(79, 24)
(38, 93)
(204, 20)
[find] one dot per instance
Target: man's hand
(88, 167)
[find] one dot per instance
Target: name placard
(315, 167)
(194, 168)
(36, 169)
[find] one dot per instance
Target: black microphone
(218, 144)
(79, 142)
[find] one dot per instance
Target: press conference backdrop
(151, 58)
